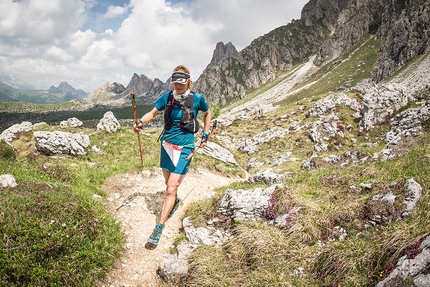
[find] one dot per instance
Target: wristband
(206, 134)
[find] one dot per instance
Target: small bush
(53, 237)
(6, 151)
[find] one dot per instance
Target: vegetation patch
(53, 237)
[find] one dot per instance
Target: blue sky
(99, 21)
(90, 42)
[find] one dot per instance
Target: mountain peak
(68, 90)
(222, 51)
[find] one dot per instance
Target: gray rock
(330, 102)
(267, 176)
(246, 204)
(411, 267)
(309, 164)
(74, 123)
(381, 102)
(407, 123)
(422, 280)
(384, 155)
(7, 180)
(218, 152)
(325, 126)
(252, 145)
(9, 134)
(174, 267)
(282, 220)
(281, 159)
(95, 149)
(50, 143)
(348, 157)
(413, 193)
(108, 123)
(203, 235)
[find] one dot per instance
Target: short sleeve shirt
(177, 135)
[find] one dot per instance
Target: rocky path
(137, 266)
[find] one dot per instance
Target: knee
(171, 190)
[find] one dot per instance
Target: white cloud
(38, 21)
(44, 44)
(56, 54)
(113, 12)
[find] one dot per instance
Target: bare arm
(207, 120)
(206, 125)
(146, 118)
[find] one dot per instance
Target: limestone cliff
(326, 29)
(222, 51)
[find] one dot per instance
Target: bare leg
(172, 181)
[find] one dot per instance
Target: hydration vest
(188, 121)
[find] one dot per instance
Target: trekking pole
(136, 120)
(214, 127)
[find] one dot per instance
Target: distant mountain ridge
(63, 93)
(69, 92)
(15, 82)
(147, 90)
(325, 30)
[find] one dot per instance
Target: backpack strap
(187, 109)
(189, 101)
(168, 110)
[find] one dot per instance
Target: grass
(53, 232)
(353, 66)
(308, 249)
(54, 237)
(305, 252)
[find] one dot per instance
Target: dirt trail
(137, 266)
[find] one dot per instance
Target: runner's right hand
(137, 126)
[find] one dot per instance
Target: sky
(90, 42)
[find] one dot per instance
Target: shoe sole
(150, 246)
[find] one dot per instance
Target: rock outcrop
(51, 143)
(222, 51)
(108, 123)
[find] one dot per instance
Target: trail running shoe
(175, 206)
(156, 234)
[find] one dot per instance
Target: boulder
(413, 193)
(246, 204)
(108, 123)
(50, 143)
(267, 176)
(9, 134)
(72, 122)
(7, 180)
(218, 152)
(412, 268)
(174, 267)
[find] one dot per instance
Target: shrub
(53, 237)
(6, 151)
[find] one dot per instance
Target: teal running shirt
(177, 135)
